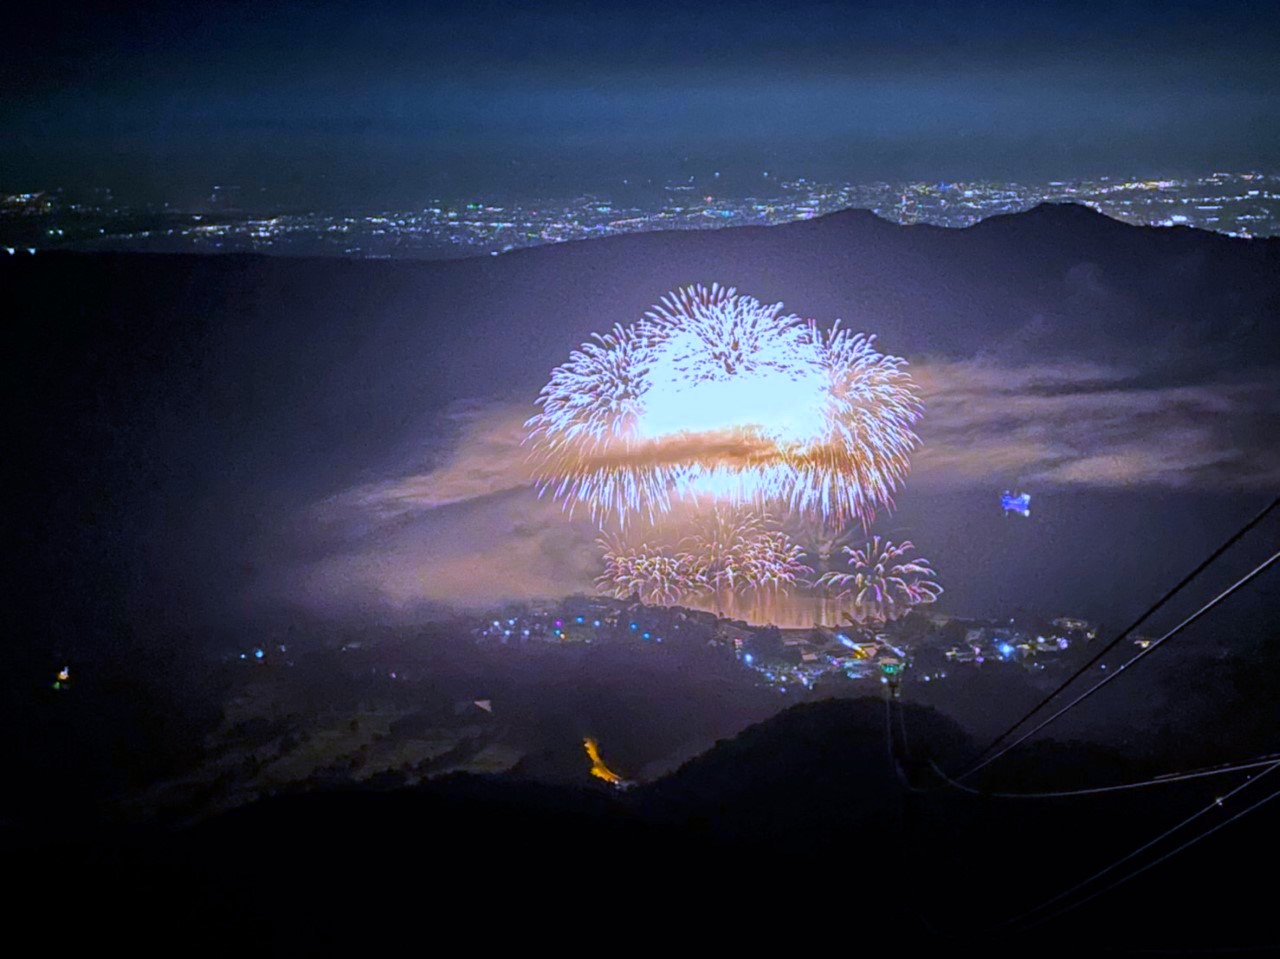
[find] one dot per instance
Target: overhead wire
(1215, 804)
(1231, 541)
(1165, 779)
(1238, 584)
(1270, 762)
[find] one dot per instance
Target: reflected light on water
(786, 611)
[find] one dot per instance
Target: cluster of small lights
(1238, 204)
(868, 651)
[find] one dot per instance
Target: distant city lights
(1237, 204)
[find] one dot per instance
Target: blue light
(646, 635)
(634, 626)
(595, 622)
(258, 654)
(1019, 503)
(1005, 650)
(748, 659)
(581, 620)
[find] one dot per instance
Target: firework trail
(885, 585)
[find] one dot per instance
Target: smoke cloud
(468, 528)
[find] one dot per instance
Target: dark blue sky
(355, 101)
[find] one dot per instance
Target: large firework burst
(716, 396)
(885, 585)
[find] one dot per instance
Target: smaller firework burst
(720, 546)
(885, 584)
(773, 563)
(654, 573)
(731, 551)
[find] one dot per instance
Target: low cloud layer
(1093, 426)
(470, 528)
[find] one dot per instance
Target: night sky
(324, 103)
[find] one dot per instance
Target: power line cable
(1202, 772)
(1220, 770)
(1256, 571)
(905, 782)
(1235, 538)
(894, 761)
(1167, 856)
(1217, 803)
(1271, 762)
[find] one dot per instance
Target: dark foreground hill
(802, 829)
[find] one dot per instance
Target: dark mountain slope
(797, 824)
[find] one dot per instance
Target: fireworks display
(688, 430)
(884, 584)
(731, 550)
(735, 549)
(654, 573)
(713, 396)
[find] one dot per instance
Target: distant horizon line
(1148, 180)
